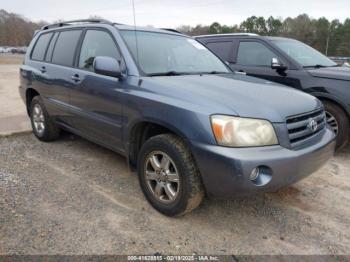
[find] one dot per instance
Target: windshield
(305, 55)
(167, 54)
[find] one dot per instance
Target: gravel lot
(74, 197)
(10, 59)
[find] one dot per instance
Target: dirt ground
(10, 59)
(74, 197)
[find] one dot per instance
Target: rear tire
(44, 127)
(339, 121)
(168, 175)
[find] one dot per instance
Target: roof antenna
(136, 41)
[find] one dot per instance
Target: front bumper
(226, 171)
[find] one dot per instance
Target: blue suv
(180, 116)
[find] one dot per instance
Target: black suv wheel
(44, 127)
(168, 175)
(339, 121)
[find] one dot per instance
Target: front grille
(302, 127)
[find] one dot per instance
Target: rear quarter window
(65, 47)
(40, 47)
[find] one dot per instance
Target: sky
(167, 13)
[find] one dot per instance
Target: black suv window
(65, 47)
(41, 46)
(254, 54)
(221, 49)
(97, 43)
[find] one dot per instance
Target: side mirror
(107, 66)
(277, 65)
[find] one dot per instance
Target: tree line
(329, 37)
(16, 30)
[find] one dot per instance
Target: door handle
(43, 69)
(240, 72)
(76, 78)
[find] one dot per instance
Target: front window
(305, 55)
(160, 53)
(254, 54)
(96, 43)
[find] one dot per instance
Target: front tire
(339, 122)
(168, 175)
(44, 127)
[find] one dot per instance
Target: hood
(232, 95)
(339, 73)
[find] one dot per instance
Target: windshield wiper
(214, 73)
(169, 73)
(175, 73)
(315, 66)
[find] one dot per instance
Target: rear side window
(65, 47)
(221, 49)
(97, 43)
(40, 47)
(254, 54)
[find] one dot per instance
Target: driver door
(254, 58)
(96, 99)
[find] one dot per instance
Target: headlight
(242, 132)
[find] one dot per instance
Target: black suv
(291, 63)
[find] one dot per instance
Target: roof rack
(172, 30)
(72, 22)
(229, 34)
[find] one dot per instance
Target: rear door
(96, 98)
(60, 58)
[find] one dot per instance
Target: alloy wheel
(162, 177)
(332, 121)
(38, 119)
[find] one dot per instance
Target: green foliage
(329, 37)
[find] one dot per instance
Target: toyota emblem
(312, 125)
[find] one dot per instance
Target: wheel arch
(30, 94)
(143, 130)
(332, 99)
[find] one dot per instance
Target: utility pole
(328, 38)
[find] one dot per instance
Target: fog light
(255, 174)
(261, 175)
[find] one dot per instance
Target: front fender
(331, 97)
